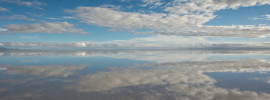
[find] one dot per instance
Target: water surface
(135, 75)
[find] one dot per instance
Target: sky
(134, 23)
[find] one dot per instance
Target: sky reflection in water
(134, 75)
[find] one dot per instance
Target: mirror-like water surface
(135, 75)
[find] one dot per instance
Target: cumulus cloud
(45, 27)
(3, 9)
(132, 20)
(44, 71)
(181, 17)
(180, 80)
(209, 6)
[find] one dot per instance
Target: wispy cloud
(61, 18)
(267, 16)
(263, 17)
(3, 9)
(45, 27)
(30, 37)
(16, 17)
(32, 3)
(152, 3)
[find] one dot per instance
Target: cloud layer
(219, 31)
(181, 17)
(176, 17)
(154, 42)
(133, 20)
(45, 27)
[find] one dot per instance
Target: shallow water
(135, 75)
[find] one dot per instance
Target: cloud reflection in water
(166, 76)
(184, 80)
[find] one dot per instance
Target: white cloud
(153, 3)
(161, 40)
(33, 3)
(80, 44)
(263, 17)
(111, 6)
(67, 17)
(209, 6)
(264, 79)
(125, 0)
(132, 20)
(54, 18)
(150, 1)
(222, 31)
(45, 27)
(61, 18)
(30, 37)
(2, 30)
(183, 17)
(19, 17)
(3, 9)
(267, 16)
(240, 3)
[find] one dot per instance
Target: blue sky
(131, 21)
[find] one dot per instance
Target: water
(135, 75)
